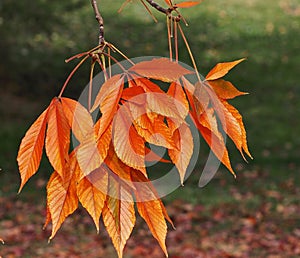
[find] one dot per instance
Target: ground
(255, 215)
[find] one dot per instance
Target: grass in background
(266, 32)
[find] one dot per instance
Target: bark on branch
(100, 21)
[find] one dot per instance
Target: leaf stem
(71, 74)
(190, 52)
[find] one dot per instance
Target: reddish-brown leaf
(31, 149)
(160, 69)
(187, 4)
(225, 89)
(182, 155)
(91, 191)
(57, 137)
(221, 69)
(79, 119)
(118, 214)
(62, 197)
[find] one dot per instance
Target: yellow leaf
(57, 137)
(221, 69)
(31, 149)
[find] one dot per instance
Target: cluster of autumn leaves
(106, 172)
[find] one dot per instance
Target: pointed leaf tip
(221, 69)
(188, 4)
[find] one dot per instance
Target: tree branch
(100, 21)
(158, 7)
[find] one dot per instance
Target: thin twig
(100, 21)
(158, 7)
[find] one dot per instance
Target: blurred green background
(37, 36)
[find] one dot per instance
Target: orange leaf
(187, 4)
(166, 105)
(161, 69)
(93, 150)
(221, 69)
(225, 89)
(31, 149)
(151, 211)
(169, 2)
(79, 119)
(117, 167)
(240, 140)
(176, 91)
(181, 157)
(92, 191)
(145, 84)
(57, 137)
(62, 197)
(208, 127)
(147, 191)
(108, 99)
(122, 139)
(118, 214)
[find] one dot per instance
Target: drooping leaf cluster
(107, 171)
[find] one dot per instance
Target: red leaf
(31, 149)
(161, 69)
(221, 69)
